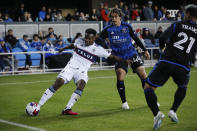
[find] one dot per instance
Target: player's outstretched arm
(71, 46)
(147, 55)
(118, 59)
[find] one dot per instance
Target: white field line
(44, 81)
(21, 125)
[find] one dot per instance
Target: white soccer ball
(32, 109)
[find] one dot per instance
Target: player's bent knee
(81, 84)
(58, 83)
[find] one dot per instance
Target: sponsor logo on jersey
(86, 55)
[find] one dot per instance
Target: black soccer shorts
(137, 61)
(163, 70)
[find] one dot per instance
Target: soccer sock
(178, 97)
(143, 82)
(151, 100)
(121, 90)
(47, 95)
(73, 99)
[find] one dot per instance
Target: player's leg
(181, 78)
(120, 74)
(74, 98)
(50, 91)
(155, 79)
(64, 77)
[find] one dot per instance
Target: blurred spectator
(42, 14)
(135, 14)
(10, 38)
(167, 17)
(23, 43)
(48, 17)
(148, 12)
(157, 13)
(163, 11)
(127, 13)
(49, 47)
(121, 5)
(76, 16)
(105, 14)
(82, 17)
(1, 17)
(7, 18)
(147, 35)
(36, 42)
(6, 60)
(59, 16)
(181, 11)
(24, 18)
(20, 12)
(50, 31)
(29, 19)
(94, 16)
(78, 35)
(49, 11)
(59, 45)
(68, 17)
(159, 32)
(178, 16)
(40, 35)
(54, 15)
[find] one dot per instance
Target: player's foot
(172, 115)
(158, 120)
(125, 106)
(158, 104)
(69, 112)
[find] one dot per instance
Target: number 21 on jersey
(184, 40)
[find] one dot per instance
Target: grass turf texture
(99, 107)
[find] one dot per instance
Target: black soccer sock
(143, 82)
(178, 97)
(151, 100)
(121, 90)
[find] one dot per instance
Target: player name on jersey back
(187, 27)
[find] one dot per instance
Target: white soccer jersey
(83, 57)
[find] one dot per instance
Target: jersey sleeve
(101, 52)
(104, 34)
(136, 39)
(166, 35)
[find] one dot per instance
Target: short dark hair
(91, 31)
(117, 11)
(191, 9)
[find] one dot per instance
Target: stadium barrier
(101, 65)
(68, 29)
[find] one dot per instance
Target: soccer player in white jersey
(85, 53)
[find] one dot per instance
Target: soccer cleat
(125, 106)
(158, 104)
(69, 112)
(158, 120)
(173, 116)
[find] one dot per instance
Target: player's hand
(129, 62)
(60, 50)
(147, 55)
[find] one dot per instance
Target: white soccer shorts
(70, 72)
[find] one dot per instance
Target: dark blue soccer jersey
(120, 38)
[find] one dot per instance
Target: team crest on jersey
(112, 33)
(124, 30)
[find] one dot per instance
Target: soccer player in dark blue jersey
(120, 35)
(180, 42)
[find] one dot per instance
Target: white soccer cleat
(158, 104)
(125, 106)
(158, 120)
(173, 116)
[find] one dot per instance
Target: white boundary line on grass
(32, 82)
(21, 125)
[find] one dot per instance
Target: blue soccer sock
(121, 90)
(151, 100)
(178, 97)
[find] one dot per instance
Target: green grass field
(99, 107)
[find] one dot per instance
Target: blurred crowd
(132, 11)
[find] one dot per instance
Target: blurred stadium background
(26, 22)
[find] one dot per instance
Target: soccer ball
(32, 109)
